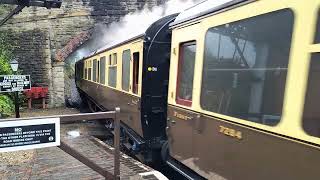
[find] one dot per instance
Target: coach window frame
(311, 124)
(110, 60)
(288, 62)
(94, 70)
(98, 70)
(135, 72)
(181, 62)
(85, 69)
(103, 69)
(113, 65)
(128, 58)
(90, 70)
(316, 39)
(114, 58)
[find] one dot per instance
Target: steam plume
(131, 25)
(137, 23)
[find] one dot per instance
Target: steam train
(224, 91)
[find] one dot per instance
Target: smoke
(129, 26)
(137, 23)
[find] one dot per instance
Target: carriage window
(126, 56)
(112, 78)
(89, 70)
(114, 58)
(79, 71)
(317, 37)
(185, 73)
(135, 79)
(94, 71)
(98, 72)
(110, 60)
(86, 70)
(103, 70)
(311, 114)
(245, 67)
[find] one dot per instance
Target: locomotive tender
(243, 89)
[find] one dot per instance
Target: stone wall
(40, 33)
(32, 52)
(58, 86)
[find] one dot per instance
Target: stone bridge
(45, 38)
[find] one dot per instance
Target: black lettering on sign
(13, 83)
(29, 134)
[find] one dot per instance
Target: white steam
(134, 24)
(131, 25)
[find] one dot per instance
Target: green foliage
(6, 106)
(6, 103)
(5, 54)
(4, 66)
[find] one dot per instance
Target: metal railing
(91, 164)
(72, 118)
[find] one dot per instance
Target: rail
(71, 118)
(64, 119)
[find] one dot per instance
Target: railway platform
(55, 163)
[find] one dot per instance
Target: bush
(6, 103)
(6, 106)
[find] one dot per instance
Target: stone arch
(71, 46)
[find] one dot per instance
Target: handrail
(96, 116)
(71, 118)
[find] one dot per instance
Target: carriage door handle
(199, 124)
(172, 121)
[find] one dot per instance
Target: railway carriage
(132, 75)
(243, 91)
(242, 96)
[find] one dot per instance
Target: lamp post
(14, 66)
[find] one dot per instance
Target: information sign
(13, 83)
(29, 134)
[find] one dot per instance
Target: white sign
(29, 134)
(13, 83)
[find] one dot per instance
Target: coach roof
(204, 8)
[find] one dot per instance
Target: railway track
(102, 154)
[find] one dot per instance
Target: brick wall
(41, 33)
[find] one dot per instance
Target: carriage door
(135, 79)
(181, 121)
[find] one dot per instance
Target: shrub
(6, 104)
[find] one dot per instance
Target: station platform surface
(54, 163)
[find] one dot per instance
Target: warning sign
(13, 83)
(29, 134)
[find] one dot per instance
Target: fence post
(117, 144)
